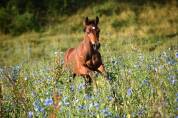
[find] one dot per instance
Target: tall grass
(139, 46)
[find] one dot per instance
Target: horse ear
(85, 21)
(97, 20)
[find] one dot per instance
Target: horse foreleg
(102, 71)
(88, 75)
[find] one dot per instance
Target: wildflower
(87, 96)
(141, 112)
(65, 101)
(177, 55)
(82, 107)
(30, 114)
(110, 77)
(48, 102)
(173, 81)
(177, 94)
(25, 78)
(106, 112)
(110, 98)
(37, 106)
(145, 82)
(96, 105)
(15, 72)
(72, 88)
(156, 69)
(81, 86)
(129, 91)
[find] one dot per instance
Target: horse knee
(84, 71)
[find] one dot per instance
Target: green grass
(139, 50)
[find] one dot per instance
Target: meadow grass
(139, 46)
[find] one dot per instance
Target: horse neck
(86, 41)
(87, 44)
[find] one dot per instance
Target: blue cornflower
(81, 86)
(37, 106)
(176, 99)
(106, 112)
(177, 55)
(87, 96)
(109, 77)
(173, 81)
(72, 87)
(177, 94)
(96, 105)
(141, 112)
(110, 98)
(82, 107)
(15, 72)
(30, 114)
(129, 91)
(145, 82)
(48, 102)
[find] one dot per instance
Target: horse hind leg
(88, 75)
(89, 81)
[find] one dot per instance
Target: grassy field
(139, 46)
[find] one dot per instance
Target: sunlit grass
(139, 47)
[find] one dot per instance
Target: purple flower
(106, 112)
(72, 87)
(95, 104)
(82, 107)
(48, 102)
(177, 55)
(173, 81)
(129, 91)
(110, 98)
(176, 99)
(30, 114)
(81, 86)
(141, 112)
(87, 96)
(37, 106)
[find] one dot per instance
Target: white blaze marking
(93, 27)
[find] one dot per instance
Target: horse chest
(93, 61)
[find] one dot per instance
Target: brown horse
(85, 59)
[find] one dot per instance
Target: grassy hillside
(146, 27)
(139, 46)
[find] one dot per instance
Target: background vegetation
(139, 46)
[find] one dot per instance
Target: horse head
(92, 31)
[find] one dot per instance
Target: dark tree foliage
(18, 16)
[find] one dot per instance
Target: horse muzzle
(96, 46)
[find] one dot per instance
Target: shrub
(23, 23)
(4, 20)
